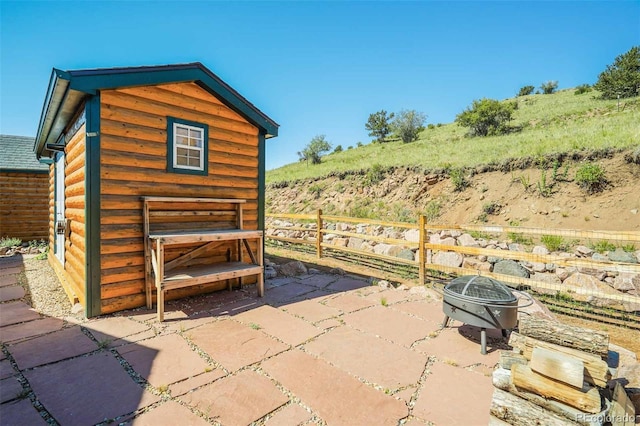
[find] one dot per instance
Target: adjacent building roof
(68, 89)
(16, 155)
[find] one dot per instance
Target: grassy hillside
(561, 122)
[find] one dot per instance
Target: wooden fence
(314, 230)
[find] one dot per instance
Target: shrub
(591, 177)
(337, 149)
(526, 90)
(583, 88)
(430, 126)
(519, 238)
(315, 190)
(629, 248)
(553, 242)
(10, 242)
(548, 87)
(486, 117)
(458, 179)
(603, 246)
(374, 175)
(432, 210)
(491, 208)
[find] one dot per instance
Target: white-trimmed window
(187, 146)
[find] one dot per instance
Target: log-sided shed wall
(128, 112)
(133, 163)
(23, 190)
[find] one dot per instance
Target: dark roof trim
(68, 89)
(26, 171)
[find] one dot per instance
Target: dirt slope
(402, 194)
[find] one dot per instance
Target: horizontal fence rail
(385, 244)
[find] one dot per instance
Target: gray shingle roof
(16, 153)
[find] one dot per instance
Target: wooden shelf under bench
(177, 273)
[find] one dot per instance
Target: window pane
(181, 140)
(182, 151)
(182, 131)
(182, 160)
(196, 134)
(194, 162)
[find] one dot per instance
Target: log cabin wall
(72, 274)
(133, 163)
(23, 206)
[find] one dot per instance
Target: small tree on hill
(548, 87)
(314, 150)
(526, 90)
(622, 78)
(408, 124)
(379, 125)
(486, 117)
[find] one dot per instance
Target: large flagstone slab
(234, 345)
(88, 390)
(16, 312)
(52, 347)
(390, 324)
(373, 359)
(336, 396)
(163, 360)
(169, 413)
(440, 400)
(279, 324)
(237, 400)
(28, 329)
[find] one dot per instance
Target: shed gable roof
(68, 89)
(17, 155)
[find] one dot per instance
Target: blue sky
(318, 67)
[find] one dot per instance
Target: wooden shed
(24, 195)
(123, 142)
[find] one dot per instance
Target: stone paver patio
(317, 349)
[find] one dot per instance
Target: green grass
(562, 122)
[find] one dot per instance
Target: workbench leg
(159, 278)
(261, 263)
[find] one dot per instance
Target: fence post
(421, 254)
(319, 235)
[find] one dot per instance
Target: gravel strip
(44, 291)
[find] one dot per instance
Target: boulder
(340, 242)
(516, 247)
(599, 274)
(406, 254)
(473, 263)
(552, 279)
(387, 249)
(540, 250)
(583, 251)
(538, 267)
(448, 258)
(563, 273)
(626, 281)
(599, 257)
(337, 271)
(412, 235)
(368, 247)
(467, 240)
(355, 243)
(510, 267)
(292, 269)
(620, 255)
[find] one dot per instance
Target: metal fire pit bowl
(483, 302)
